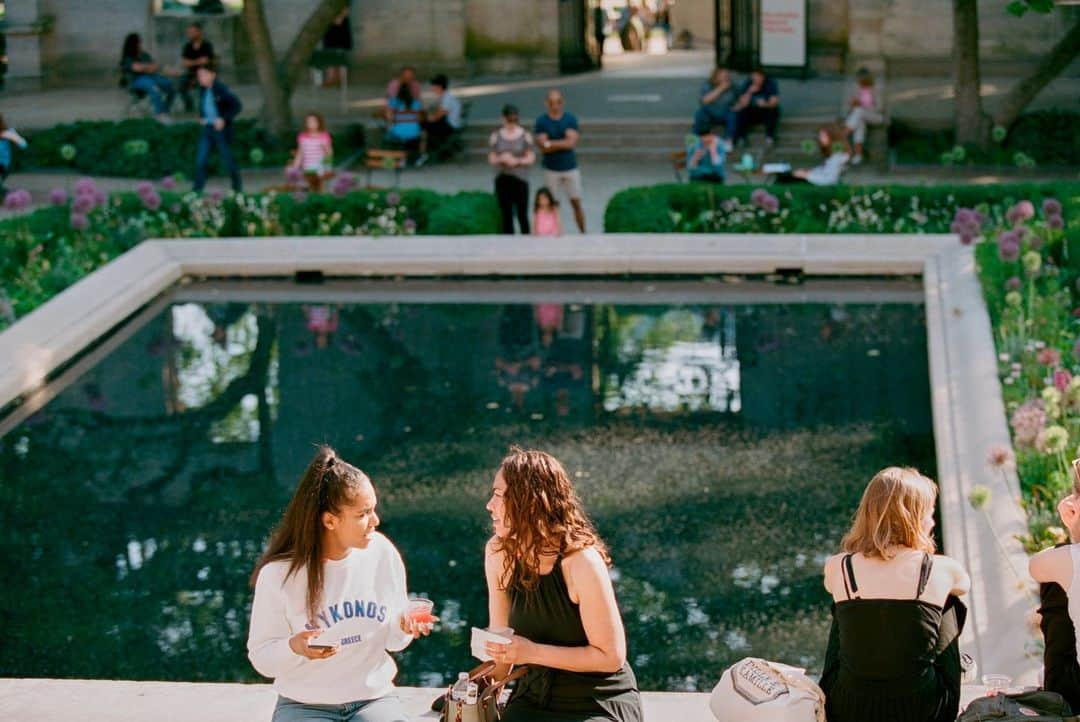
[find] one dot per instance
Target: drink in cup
(420, 610)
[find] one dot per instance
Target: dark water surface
(720, 435)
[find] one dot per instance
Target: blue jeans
(159, 88)
(383, 709)
(207, 140)
(707, 116)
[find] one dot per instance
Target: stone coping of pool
(65, 700)
(968, 411)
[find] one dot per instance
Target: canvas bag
(757, 690)
(1037, 706)
(487, 707)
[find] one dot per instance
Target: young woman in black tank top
(547, 576)
(893, 652)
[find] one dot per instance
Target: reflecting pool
(720, 434)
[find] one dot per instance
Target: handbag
(757, 690)
(1037, 706)
(487, 707)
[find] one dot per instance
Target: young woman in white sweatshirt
(330, 602)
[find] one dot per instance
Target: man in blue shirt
(759, 102)
(557, 135)
(218, 106)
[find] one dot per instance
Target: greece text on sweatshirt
(363, 597)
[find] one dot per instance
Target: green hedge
(144, 148)
(41, 254)
(1046, 137)
(671, 208)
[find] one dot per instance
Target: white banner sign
(783, 32)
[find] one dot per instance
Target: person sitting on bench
(442, 121)
(404, 116)
(141, 76)
(758, 103)
(705, 157)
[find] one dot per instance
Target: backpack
(1037, 706)
(757, 690)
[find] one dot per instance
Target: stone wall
(522, 40)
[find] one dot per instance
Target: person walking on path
(218, 106)
(330, 602)
(511, 154)
(557, 136)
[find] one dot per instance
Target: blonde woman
(893, 654)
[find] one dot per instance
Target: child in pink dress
(314, 152)
(546, 214)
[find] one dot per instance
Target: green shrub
(672, 208)
(1047, 137)
(144, 148)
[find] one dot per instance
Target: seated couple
(330, 601)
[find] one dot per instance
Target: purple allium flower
(771, 204)
(1008, 246)
(79, 221)
(17, 200)
(151, 200)
(1027, 421)
(966, 216)
(85, 185)
(1055, 223)
(758, 197)
(1013, 284)
(293, 175)
(1021, 212)
(1062, 377)
(392, 198)
(144, 188)
(101, 198)
(410, 225)
(82, 204)
(168, 183)
(1051, 207)
(58, 196)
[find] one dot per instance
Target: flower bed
(47, 250)
(699, 208)
(1029, 266)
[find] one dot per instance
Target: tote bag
(757, 690)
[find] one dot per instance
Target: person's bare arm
(567, 143)
(150, 67)
(1052, 566)
(498, 599)
(712, 95)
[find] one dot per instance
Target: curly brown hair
(544, 515)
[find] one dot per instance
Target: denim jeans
(158, 87)
(383, 709)
(707, 116)
(207, 140)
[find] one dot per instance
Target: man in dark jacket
(218, 106)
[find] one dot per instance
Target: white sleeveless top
(1073, 593)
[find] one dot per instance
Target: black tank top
(546, 615)
(1059, 654)
(887, 658)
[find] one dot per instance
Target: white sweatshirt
(363, 598)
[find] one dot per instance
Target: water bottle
(472, 693)
(460, 688)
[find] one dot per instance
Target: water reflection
(718, 447)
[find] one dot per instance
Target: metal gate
(736, 33)
(578, 48)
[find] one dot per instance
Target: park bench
(381, 159)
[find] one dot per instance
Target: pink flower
(151, 200)
(1008, 247)
(142, 188)
(392, 198)
(1013, 284)
(1000, 457)
(1027, 421)
(79, 221)
(1021, 212)
(17, 200)
(758, 196)
(293, 175)
(168, 183)
(409, 225)
(1051, 207)
(1062, 377)
(1049, 356)
(85, 185)
(101, 197)
(1055, 223)
(58, 196)
(82, 204)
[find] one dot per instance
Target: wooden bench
(379, 159)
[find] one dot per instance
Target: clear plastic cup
(996, 683)
(420, 610)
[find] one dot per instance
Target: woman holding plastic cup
(330, 602)
(548, 580)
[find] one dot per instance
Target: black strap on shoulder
(848, 572)
(924, 573)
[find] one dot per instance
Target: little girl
(546, 214)
(314, 151)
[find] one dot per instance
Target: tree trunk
(1018, 97)
(311, 32)
(970, 120)
(276, 110)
